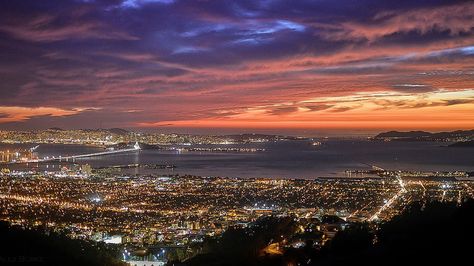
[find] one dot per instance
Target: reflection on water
(17, 155)
(287, 159)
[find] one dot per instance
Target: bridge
(374, 167)
(135, 147)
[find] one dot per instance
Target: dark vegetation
(424, 234)
(242, 246)
(40, 247)
(434, 233)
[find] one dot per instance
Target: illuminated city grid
(182, 209)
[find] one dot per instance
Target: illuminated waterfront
(282, 159)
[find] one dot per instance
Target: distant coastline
(458, 138)
(463, 144)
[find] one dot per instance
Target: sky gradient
(292, 65)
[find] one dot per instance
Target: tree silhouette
(41, 247)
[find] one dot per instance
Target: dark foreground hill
(38, 247)
(424, 234)
(432, 234)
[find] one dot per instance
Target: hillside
(458, 135)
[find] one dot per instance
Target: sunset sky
(273, 64)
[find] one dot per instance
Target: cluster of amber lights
(182, 209)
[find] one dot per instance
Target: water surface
(287, 159)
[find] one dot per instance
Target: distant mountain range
(452, 136)
(118, 131)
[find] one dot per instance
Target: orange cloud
(17, 113)
(370, 110)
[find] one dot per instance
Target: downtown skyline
(232, 65)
